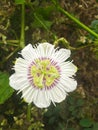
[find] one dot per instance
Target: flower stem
(29, 112)
(22, 45)
(22, 37)
(75, 20)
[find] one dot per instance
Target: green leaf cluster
(5, 90)
(88, 124)
(42, 17)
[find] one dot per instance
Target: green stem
(10, 42)
(11, 54)
(65, 42)
(76, 20)
(67, 45)
(22, 37)
(29, 112)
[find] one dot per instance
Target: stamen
(44, 72)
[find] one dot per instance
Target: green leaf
(94, 24)
(71, 108)
(75, 113)
(71, 100)
(19, 1)
(45, 11)
(86, 122)
(51, 120)
(80, 102)
(94, 27)
(39, 21)
(5, 90)
(95, 126)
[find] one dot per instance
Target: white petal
(69, 84)
(57, 95)
(41, 99)
(17, 82)
(68, 69)
(62, 55)
(21, 66)
(38, 96)
(28, 53)
(46, 50)
(40, 50)
(27, 94)
(22, 63)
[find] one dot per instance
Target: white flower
(43, 75)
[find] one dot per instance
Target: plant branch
(75, 20)
(22, 37)
(29, 112)
(10, 42)
(67, 45)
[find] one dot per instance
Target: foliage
(70, 115)
(86, 122)
(5, 90)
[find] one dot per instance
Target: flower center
(45, 73)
